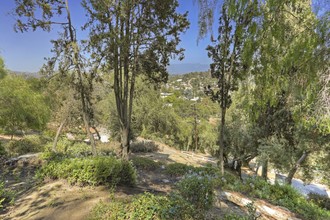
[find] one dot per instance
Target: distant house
(179, 80)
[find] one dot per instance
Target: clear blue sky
(26, 51)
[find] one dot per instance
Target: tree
(129, 38)
(285, 73)
(21, 106)
(229, 66)
(2, 69)
(68, 58)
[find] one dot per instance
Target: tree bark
(264, 169)
(59, 130)
(124, 143)
(294, 169)
(222, 142)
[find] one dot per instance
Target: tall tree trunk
(222, 141)
(124, 143)
(89, 133)
(59, 130)
(264, 169)
(81, 87)
(294, 169)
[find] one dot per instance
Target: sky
(25, 52)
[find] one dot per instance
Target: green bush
(198, 190)
(115, 210)
(29, 144)
(178, 169)
(145, 163)
(6, 196)
(282, 195)
(2, 150)
(143, 147)
(322, 201)
(144, 207)
(90, 171)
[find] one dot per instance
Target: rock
(166, 181)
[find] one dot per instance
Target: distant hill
(187, 68)
(28, 74)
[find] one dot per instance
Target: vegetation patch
(145, 163)
(99, 170)
(178, 169)
(322, 201)
(6, 196)
(282, 195)
(144, 147)
(29, 144)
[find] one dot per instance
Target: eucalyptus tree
(68, 59)
(236, 30)
(129, 38)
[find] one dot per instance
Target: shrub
(178, 169)
(145, 163)
(111, 211)
(197, 190)
(6, 196)
(90, 171)
(145, 206)
(143, 147)
(282, 195)
(2, 150)
(322, 201)
(29, 144)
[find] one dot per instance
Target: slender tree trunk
(222, 141)
(97, 132)
(294, 169)
(89, 133)
(81, 88)
(264, 169)
(125, 143)
(59, 130)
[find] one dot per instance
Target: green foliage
(143, 147)
(21, 106)
(145, 163)
(322, 201)
(114, 210)
(70, 148)
(2, 69)
(178, 169)
(145, 206)
(282, 195)
(89, 171)
(3, 151)
(6, 196)
(198, 190)
(29, 144)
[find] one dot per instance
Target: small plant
(6, 196)
(197, 190)
(145, 163)
(322, 201)
(2, 150)
(178, 169)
